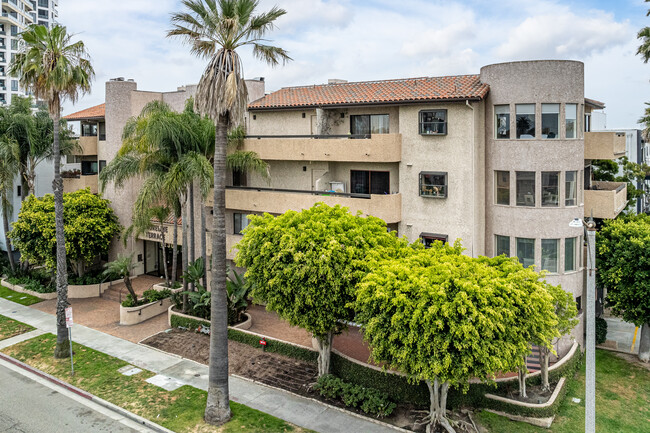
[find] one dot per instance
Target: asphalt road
(27, 406)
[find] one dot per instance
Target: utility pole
(590, 345)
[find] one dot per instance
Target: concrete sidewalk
(298, 410)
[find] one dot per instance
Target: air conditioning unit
(337, 186)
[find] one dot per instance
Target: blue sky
(382, 39)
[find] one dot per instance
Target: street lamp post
(590, 344)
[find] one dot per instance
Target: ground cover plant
(10, 328)
(180, 410)
(622, 401)
(19, 298)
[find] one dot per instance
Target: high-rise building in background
(16, 16)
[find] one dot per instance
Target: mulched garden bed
(275, 370)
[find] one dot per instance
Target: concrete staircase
(113, 294)
(533, 360)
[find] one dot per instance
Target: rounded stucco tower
(534, 167)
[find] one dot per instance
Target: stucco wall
(460, 155)
(534, 82)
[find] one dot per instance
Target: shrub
(369, 400)
(601, 330)
(129, 302)
(153, 295)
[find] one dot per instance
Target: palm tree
(54, 68)
(9, 169)
(214, 30)
(122, 267)
(644, 35)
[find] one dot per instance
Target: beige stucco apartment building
(499, 160)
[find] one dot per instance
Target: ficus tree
(623, 257)
(443, 318)
(305, 266)
(90, 225)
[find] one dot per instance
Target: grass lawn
(10, 328)
(180, 410)
(622, 402)
(20, 298)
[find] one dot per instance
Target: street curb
(125, 413)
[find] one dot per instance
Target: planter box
(21, 289)
(246, 324)
(90, 290)
(135, 315)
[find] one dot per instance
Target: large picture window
(364, 124)
(433, 122)
(502, 121)
(550, 249)
(433, 184)
(369, 182)
(502, 182)
(571, 120)
(570, 255)
(550, 188)
(525, 120)
(526, 251)
(525, 188)
(501, 245)
(571, 188)
(550, 120)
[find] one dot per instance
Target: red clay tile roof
(405, 90)
(98, 111)
(596, 104)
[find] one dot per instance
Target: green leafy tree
(305, 266)
(90, 225)
(54, 68)
(9, 169)
(566, 313)
(215, 29)
(623, 257)
(443, 317)
(632, 173)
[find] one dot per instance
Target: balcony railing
(88, 146)
(273, 200)
(604, 145)
(605, 199)
(341, 148)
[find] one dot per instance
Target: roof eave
(361, 104)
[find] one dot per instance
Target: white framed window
(240, 222)
(526, 188)
(550, 188)
(570, 256)
(501, 245)
(433, 122)
(570, 188)
(550, 121)
(502, 121)
(525, 251)
(525, 120)
(550, 249)
(571, 120)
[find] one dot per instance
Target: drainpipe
(473, 178)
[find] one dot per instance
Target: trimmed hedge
(369, 400)
(187, 323)
(397, 387)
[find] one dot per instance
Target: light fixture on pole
(590, 319)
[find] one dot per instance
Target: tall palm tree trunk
(175, 248)
(217, 409)
(5, 224)
(164, 248)
(185, 252)
(204, 251)
(62, 343)
(191, 228)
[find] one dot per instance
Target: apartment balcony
(605, 199)
(71, 184)
(385, 206)
(88, 146)
(604, 145)
(339, 148)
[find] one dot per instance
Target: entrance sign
(68, 317)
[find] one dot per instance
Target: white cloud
(378, 39)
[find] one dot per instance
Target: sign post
(68, 324)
